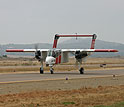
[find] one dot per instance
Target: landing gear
(51, 70)
(81, 70)
(41, 70)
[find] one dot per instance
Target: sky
(37, 21)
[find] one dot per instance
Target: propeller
(78, 57)
(37, 53)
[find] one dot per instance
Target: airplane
(56, 56)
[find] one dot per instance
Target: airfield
(33, 77)
(21, 84)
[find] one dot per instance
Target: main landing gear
(42, 71)
(41, 68)
(81, 70)
(51, 70)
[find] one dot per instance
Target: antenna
(76, 36)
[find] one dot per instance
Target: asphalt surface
(25, 77)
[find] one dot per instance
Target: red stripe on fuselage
(56, 60)
(60, 59)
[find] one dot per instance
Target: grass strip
(120, 104)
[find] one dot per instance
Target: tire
(41, 71)
(51, 71)
(81, 70)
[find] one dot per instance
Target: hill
(100, 44)
(70, 43)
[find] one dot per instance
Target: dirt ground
(30, 64)
(12, 88)
(60, 93)
(83, 97)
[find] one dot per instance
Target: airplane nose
(50, 60)
(47, 60)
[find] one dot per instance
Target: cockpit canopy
(54, 53)
(49, 53)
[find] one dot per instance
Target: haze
(37, 21)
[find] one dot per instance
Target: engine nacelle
(38, 55)
(80, 55)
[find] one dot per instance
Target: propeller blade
(37, 53)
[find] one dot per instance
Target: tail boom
(93, 41)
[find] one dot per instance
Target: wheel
(51, 70)
(81, 70)
(41, 71)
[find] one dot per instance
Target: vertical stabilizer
(57, 36)
(55, 41)
(93, 41)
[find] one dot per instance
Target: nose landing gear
(41, 70)
(81, 70)
(51, 70)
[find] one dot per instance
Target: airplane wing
(82, 53)
(89, 50)
(64, 56)
(26, 50)
(43, 51)
(63, 50)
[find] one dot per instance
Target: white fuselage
(50, 60)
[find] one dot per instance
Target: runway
(28, 77)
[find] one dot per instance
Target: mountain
(22, 46)
(100, 44)
(71, 43)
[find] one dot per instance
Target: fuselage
(50, 60)
(51, 57)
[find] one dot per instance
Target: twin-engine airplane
(57, 56)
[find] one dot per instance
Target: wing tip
(106, 50)
(14, 50)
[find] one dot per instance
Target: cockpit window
(49, 53)
(53, 53)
